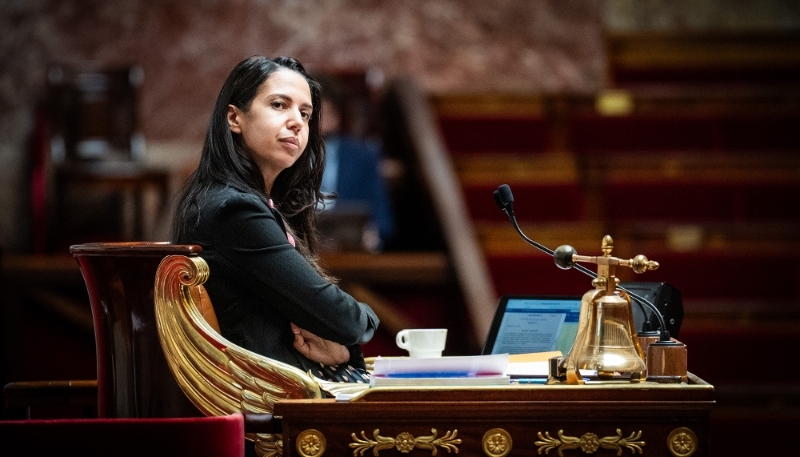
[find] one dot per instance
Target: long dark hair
(296, 190)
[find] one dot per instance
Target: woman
(250, 205)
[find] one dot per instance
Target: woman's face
(275, 128)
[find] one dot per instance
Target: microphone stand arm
(543, 248)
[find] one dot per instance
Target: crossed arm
(318, 349)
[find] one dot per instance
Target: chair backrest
(133, 379)
(221, 436)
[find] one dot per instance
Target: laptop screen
(524, 324)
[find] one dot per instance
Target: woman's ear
(233, 119)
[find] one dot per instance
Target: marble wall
(186, 49)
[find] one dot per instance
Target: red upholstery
(221, 436)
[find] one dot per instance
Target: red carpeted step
(533, 202)
(762, 133)
(729, 274)
(497, 135)
(533, 273)
(735, 351)
(698, 202)
(590, 134)
(699, 275)
(651, 133)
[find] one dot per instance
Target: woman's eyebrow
(287, 97)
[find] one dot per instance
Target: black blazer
(259, 283)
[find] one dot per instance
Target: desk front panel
(499, 422)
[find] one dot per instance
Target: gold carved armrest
(218, 376)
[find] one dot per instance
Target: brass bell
(606, 342)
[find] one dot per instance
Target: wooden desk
(669, 420)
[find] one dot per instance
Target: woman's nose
(295, 120)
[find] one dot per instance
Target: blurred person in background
(352, 180)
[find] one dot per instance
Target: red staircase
(700, 175)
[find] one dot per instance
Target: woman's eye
(278, 105)
(305, 114)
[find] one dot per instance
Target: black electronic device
(666, 298)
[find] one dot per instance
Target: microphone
(563, 254)
(504, 199)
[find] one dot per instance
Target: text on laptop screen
(537, 325)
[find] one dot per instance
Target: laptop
(524, 323)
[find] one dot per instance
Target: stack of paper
(533, 365)
(441, 371)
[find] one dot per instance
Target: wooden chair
(132, 376)
(152, 316)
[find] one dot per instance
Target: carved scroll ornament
(589, 443)
(405, 442)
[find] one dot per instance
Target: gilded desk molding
(589, 442)
(404, 442)
(497, 442)
(682, 442)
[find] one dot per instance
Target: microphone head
(499, 200)
(563, 256)
(505, 201)
(505, 195)
(496, 195)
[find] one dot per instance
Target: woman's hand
(318, 349)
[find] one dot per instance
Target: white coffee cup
(422, 342)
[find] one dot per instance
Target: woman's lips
(290, 141)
